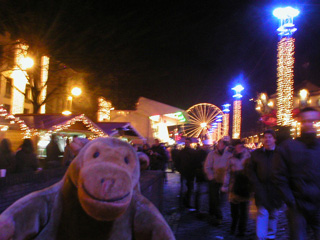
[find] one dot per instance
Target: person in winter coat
(187, 163)
(237, 184)
(215, 167)
(174, 154)
(7, 160)
(201, 180)
(267, 198)
(53, 154)
(158, 156)
(296, 173)
(68, 154)
(26, 159)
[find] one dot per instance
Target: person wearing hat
(215, 167)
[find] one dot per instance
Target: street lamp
(66, 113)
(76, 91)
(304, 94)
(26, 63)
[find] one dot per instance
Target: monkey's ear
(77, 144)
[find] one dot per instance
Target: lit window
(8, 87)
(28, 94)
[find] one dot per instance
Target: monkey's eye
(126, 160)
(96, 154)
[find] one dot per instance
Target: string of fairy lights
(226, 124)
(26, 131)
(104, 109)
(236, 128)
(226, 118)
(81, 118)
(285, 81)
(29, 132)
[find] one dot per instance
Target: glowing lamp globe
(238, 90)
(66, 113)
(76, 91)
(263, 96)
(26, 63)
(303, 94)
(287, 12)
(270, 104)
(286, 16)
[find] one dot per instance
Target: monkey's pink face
(108, 173)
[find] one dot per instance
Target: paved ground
(187, 226)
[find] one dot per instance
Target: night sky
(176, 52)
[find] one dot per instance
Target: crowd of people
(284, 175)
(25, 158)
(275, 175)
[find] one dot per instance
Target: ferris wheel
(205, 122)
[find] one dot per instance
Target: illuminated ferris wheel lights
(203, 125)
(202, 116)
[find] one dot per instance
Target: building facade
(49, 92)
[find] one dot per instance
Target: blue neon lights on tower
(236, 127)
(226, 108)
(219, 118)
(286, 16)
(238, 89)
(285, 66)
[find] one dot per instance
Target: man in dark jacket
(159, 156)
(187, 166)
(53, 154)
(201, 180)
(297, 175)
(267, 199)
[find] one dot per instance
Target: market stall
(122, 130)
